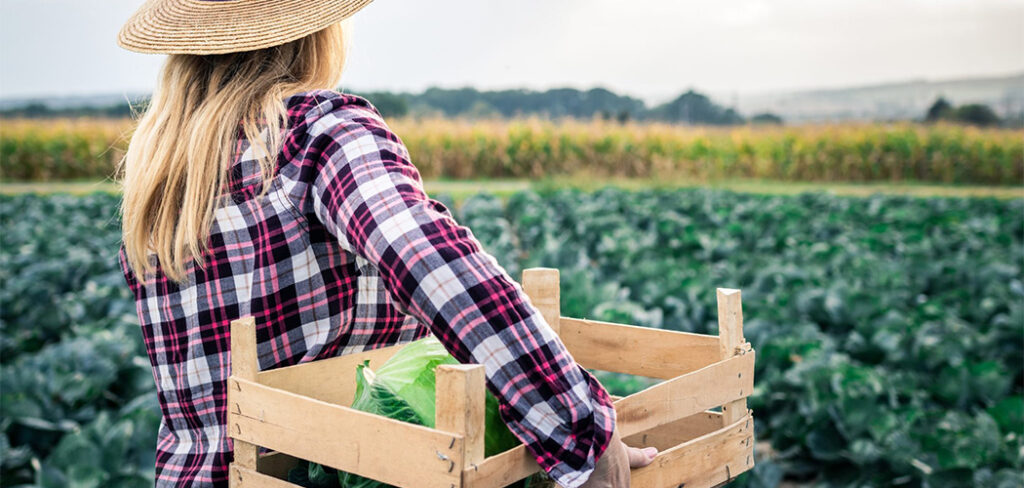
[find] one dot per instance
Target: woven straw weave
(217, 27)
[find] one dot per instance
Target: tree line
(690, 107)
(971, 113)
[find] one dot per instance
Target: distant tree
(122, 110)
(38, 109)
(389, 104)
(450, 102)
(939, 110)
(731, 117)
(482, 110)
(29, 110)
(562, 102)
(695, 108)
(766, 118)
(973, 113)
(976, 114)
(602, 99)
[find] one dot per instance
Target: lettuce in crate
(403, 389)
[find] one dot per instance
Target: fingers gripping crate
(301, 411)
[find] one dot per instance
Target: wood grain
(686, 395)
(542, 287)
(730, 336)
(343, 438)
(640, 351)
(331, 380)
(703, 462)
(460, 396)
(244, 364)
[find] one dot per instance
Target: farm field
(888, 328)
(461, 189)
(446, 149)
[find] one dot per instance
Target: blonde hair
(178, 159)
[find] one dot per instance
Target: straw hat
(223, 26)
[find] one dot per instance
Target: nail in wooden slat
(245, 365)
(460, 407)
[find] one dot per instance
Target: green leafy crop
(404, 389)
(888, 329)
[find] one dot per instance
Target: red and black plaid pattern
(347, 253)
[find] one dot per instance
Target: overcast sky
(648, 48)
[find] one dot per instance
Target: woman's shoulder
(325, 119)
(330, 128)
(317, 111)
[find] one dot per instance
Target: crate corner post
(244, 366)
(542, 285)
(460, 409)
(730, 340)
(732, 343)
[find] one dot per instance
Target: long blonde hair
(178, 159)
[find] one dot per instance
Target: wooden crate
(301, 411)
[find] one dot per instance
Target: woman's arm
(369, 196)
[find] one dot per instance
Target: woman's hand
(612, 470)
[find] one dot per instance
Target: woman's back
(345, 253)
(311, 299)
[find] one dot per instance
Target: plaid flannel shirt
(347, 253)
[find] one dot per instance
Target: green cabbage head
(403, 389)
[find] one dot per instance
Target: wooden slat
(331, 380)
(515, 464)
(686, 395)
(652, 411)
(460, 396)
(730, 336)
(241, 477)
(702, 462)
(343, 438)
(501, 469)
(244, 364)
(673, 433)
(640, 351)
(542, 287)
(308, 421)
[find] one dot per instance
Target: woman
(253, 189)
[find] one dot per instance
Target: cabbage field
(889, 330)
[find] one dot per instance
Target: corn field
(52, 150)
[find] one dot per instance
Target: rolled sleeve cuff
(604, 424)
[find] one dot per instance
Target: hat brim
(218, 27)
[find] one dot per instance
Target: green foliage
(388, 104)
(888, 329)
(76, 394)
(766, 118)
(939, 110)
(972, 114)
(694, 108)
(976, 114)
(403, 389)
(39, 109)
(559, 102)
(63, 149)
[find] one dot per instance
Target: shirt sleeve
(370, 197)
